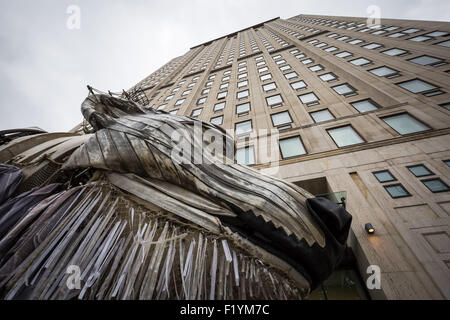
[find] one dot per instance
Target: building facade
(361, 110)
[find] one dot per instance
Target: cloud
(45, 67)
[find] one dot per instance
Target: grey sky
(45, 67)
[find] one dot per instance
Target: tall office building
(362, 115)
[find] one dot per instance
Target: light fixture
(369, 228)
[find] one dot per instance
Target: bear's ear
(334, 217)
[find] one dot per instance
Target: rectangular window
(316, 68)
(372, 46)
(292, 147)
(394, 52)
(420, 39)
(384, 176)
(356, 41)
(444, 44)
(242, 75)
(299, 85)
(426, 60)
(344, 89)
(397, 191)
(269, 87)
(331, 49)
(307, 61)
(416, 86)
(222, 95)
(174, 112)
(345, 136)
(383, 71)
(343, 54)
(242, 69)
(420, 170)
(242, 109)
(328, 77)
(365, 105)
(397, 35)
(217, 120)
(309, 98)
(205, 91)
(219, 106)
(281, 118)
(179, 102)
(195, 113)
(223, 86)
(242, 94)
(286, 67)
(161, 107)
(242, 84)
(404, 124)
(261, 63)
(281, 61)
(274, 101)
(243, 127)
(245, 156)
(291, 75)
(278, 56)
(436, 185)
(263, 69)
(360, 62)
(201, 101)
(168, 97)
(265, 77)
(437, 34)
(322, 115)
(299, 56)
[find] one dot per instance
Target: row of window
(397, 190)
(343, 136)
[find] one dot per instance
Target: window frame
(386, 181)
(407, 194)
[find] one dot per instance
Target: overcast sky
(45, 66)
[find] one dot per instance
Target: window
(201, 101)
(161, 106)
(397, 35)
(411, 30)
(176, 89)
(298, 85)
(217, 120)
(309, 98)
(265, 77)
(404, 124)
(299, 56)
(208, 84)
(212, 77)
(437, 34)
(446, 106)
(263, 69)
(426, 60)
(372, 46)
(291, 75)
(379, 32)
(345, 136)
(327, 77)
(225, 79)
(281, 118)
(219, 106)
(316, 68)
(258, 58)
(394, 52)
(227, 73)
(384, 176)
(242, 109)
(269, 87)
(242, 69)
(436, 185)
(286, 67)
(261, 63)
(322, 115)
(191, 84)
(294, 51)
(222, 95)
(205, 91)
(168, 97)
(274, 101)
(307, 61)
(447, 162)
(365, 105)
(174, 112)
(195, 113)
(242, 75)
(397, 191)
(343, 54)
(242, 94)
(360, 62)
(179, 102)
(331, 49)
(223, 86)
(278, 56)
(242, 84)
(444, 44)
(344, 89)
(420, 170)
(292, 147)
(356, 41)
(281, 61)
(243, 127)
(420, 39)
(416, 86)
(245, 156)
(383, 71)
